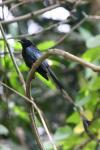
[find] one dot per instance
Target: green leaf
(63, 133)
(17, 45)
(74, 118)
(23, 67)
(85, 33)
(95, 84)
(47, 145)
(83, 101)
(49, 83)
(3, 130)
(92, 54)
(14, 80)
(93, 42)
(90, 146)
(21, 112)
(46, 45)
(1, 44)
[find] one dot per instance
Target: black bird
(30, 54)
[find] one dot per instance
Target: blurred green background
(81, 83)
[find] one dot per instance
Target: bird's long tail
(55, 79)
(60, 86)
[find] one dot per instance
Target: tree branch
(40, 113)
(12, 58)
(66, 56)
(7, 2)
(35, 34)
(30, 15)
(61, 39)
(30, 107)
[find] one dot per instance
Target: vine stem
(13, 59)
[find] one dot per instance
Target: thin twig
(21, 3)
(12, 57)
(90, 17)
(35, 34)
(83, 144)
(31, 115)
(7, 2)
(74, 58)
(32, 118)
(68, 34)
(30, 15)
(40, 113)
(67, 56)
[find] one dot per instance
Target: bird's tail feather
(56, 80)
(60, 86)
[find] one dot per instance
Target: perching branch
(74, 58)
(66, 56)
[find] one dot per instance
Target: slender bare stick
(30, 15)
(30, 108)
(74, 58)
(12, 57)
(83, 144)
(40, 113)
(35, 34)
(7, 2)
(32, 117)
(65, 55)
(61, 39)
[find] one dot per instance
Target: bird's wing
(34, 54)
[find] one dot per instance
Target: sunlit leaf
(1, 44)
(74, 118)
(49, 83)
(21, 112)
(17, 46)
(92, 54)
(95, 84)
(46, 45)
(14, 80)
(86, 34)
(79, 128)
(88, 114)
(62, 133)
(83, 100)
(93, 42)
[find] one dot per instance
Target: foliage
(82, 83)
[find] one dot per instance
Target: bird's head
(25, 43)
